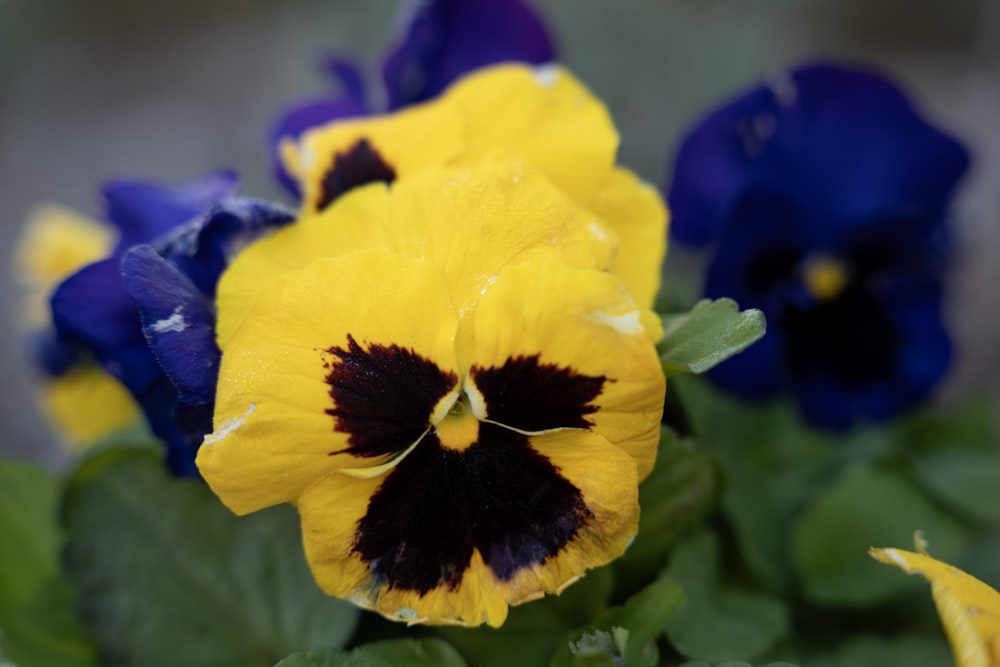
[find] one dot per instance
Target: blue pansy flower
(146, 312)
(823, 198)
(441, 41)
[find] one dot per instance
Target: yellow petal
(410, 141)
(87, 404)
(469, 223)
(333, 509)
(585, 322)
(969, 609)
(543, 116)
(634, 212)
(278, 427)
(608, 479)
(353, 222)
(56, 242)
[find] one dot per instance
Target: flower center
(825, 277)
(460, 428)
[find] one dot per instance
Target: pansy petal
(713, 165)
(447, 38)
(50, 354)
(885, 160)
(759, 255)
(455, 536)
(329, 160)
(205, 245)
(294, 120)
(611, 497)
(925, 355)
(352, 223)
(469, 223)
(87, 404)
(94, 307)
(177, 321)
(558, 347)
(969, 609)
(634, 212)
(323, 352)
(344, 72)
(918, 354)
(143, 210)
(57, 241)
(549, 120)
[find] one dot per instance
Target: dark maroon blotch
(529, 395)
(499, 496)
(383, 396)
(358, 165)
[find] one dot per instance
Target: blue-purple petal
(159, 406)
(345, 74)
(203, 247)
(177, 321)
(757, 260)
(445, 39)
(143, 210)
(51, 354)
(845, 144)
(93, 308)
(713, 167)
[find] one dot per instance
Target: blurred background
(168, 90)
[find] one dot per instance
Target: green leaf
(966, 480)
(910, 651)
(970, 424)
(954, 456)
(868, 506)
(169, 576)
(427, 652)
(709, 333)
(771, 464)
(682, 489)
(535, 630)
(643, 616)
(39, 627)
(981, 558)
(719, 622)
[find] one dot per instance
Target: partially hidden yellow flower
(542, 116)
(83, 402)
(969, 609)
(445, 379)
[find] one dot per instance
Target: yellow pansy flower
(83, 402)
(542, 116)
(443, 378)
(471, 223)
(969, 609)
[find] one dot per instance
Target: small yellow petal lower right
(969, 609)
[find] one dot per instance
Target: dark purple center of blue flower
(358, 165)
(439, 505)
(771, 268)
(849, 337)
